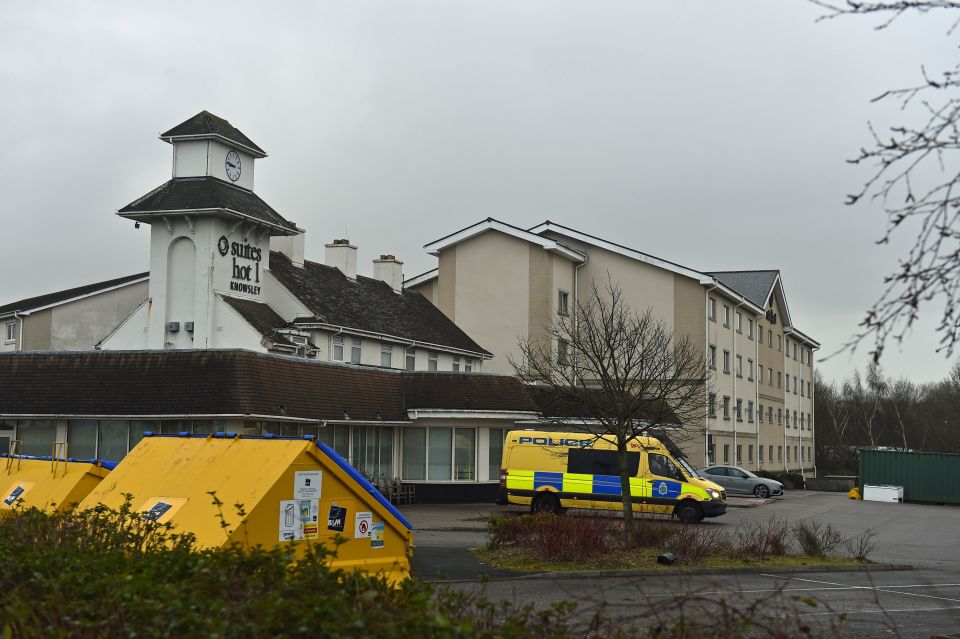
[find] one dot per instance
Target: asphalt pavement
(922, 602)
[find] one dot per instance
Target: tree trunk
(625, 493)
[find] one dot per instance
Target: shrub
(693, 544)
(861, 546)
(557, 537)
(790, 481)
(816, 539)
(652, 533)
(758, 539)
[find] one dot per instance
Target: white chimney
(289, 245)
(342, 255)
(389, 270)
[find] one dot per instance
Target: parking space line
(876, 612)
(812, 588)
(873, 588)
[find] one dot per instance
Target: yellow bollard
(854, 493)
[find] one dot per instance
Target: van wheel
(689, 512)
(545, 503)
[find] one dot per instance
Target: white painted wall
(197, 158)
(132, 333)
(217, 164)
(81, 324)
(232, 331)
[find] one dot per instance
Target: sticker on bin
(307, 483)
(160, 509)
(336, 518)
(299, 519)
(376, 535)
(14, 495)
(364, 522)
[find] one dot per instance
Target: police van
(552, 471)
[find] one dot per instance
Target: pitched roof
(40, 301)
(181, 196)
(237, 382)
(206, 125)
(261, 317)
(754, 285)
(491, 224)
(368, 304)
(465, 391)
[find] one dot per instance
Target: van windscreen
(587, 461)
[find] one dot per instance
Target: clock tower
(209, 232)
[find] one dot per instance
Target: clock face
(232, 165)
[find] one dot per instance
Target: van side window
(587, 461)
(664, 467)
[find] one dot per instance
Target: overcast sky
(713, 134)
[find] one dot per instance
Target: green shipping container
(927, 477)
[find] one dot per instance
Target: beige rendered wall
(484, 287)
(81, 324)
(428, 289)
(36, 331)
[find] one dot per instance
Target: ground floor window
(726, 453)
(760, 454)
(739, 453)
(495, 448)
(750, 453)
(439, 453)
(37, 436)
(711, 451)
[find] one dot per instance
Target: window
(113, 439)
(788, 453)
(737, 409)
(562, 353)
(750, 454)
(779, 416)
(760, 454)
(787, 344)
(794, 419)
(801, 388)
(726, 453)
(726, 362)
(467, 365)
(809, 455)
(770, 419)
(414, 451)
(809, 422)
(788, 419)
(82, 438)
(712, 405)
(760, 333)
(779, 342)
(432, 360)
(779, 379)
(769, 339)
(801, 422)
(809, 394)
(770, 376)
(38, 436)
(411, 357)
(372, 452)
(355, 351)
(711, 450)
(439, 445)
(338, 348)
(794, 384)
(726, 407)
(456, 363)
(739, 453)
(810, 358)
(750, 369)
(11, 331)
(495, 451)
(760, 413)
(386, 355)
(794, 351)
(739, 325)
(464, 454)
(779, 453)
(588, 461)
(726, 316)
(770, 457)
(712, 357)
(739, 366)
(803, 355)
(795, 458)
(563, 299)
(750, 412)
(788, 382)
(663, 466)
(750, 328)
(760, 373)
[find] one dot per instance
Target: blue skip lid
(109, 465)
(360, 479)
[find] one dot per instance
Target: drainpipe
(16, 318)
(706, 366)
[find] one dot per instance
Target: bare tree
(622, 372)
(916, 174)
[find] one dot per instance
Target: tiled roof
(482, 392)
(62, 296)
(206, 124)
(183, 195)
(235, 382)
(368, 304)
(261, 317)
(754, 285)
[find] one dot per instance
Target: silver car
(741, 480)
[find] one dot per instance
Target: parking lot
(922, 602)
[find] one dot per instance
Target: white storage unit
(883, 493)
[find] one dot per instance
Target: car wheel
(761, 491)
(545, 503)
(689, 512)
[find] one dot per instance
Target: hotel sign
(245, 276)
